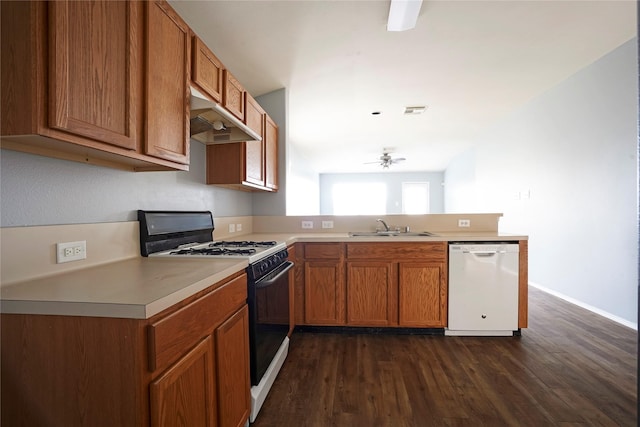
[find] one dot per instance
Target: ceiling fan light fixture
(414, 110)
(403, 14)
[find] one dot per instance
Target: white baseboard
(591, 308)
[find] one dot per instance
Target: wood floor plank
(569, 368)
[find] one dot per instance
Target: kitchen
(95, 195)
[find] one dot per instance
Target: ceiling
(470, 62)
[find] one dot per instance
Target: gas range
(189, 234)
(252, 251)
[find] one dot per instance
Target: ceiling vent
(414, 110)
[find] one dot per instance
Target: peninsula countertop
(142, 287)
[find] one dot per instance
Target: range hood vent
(211, 123)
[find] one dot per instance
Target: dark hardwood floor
(570, 368)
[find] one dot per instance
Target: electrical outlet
(232, 228)
(307, 224)
(464, 223)
(327, 224)
(71, 251)
(238, 227)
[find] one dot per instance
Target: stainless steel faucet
(386, 227)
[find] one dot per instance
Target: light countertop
(134, 288)
(142, 287)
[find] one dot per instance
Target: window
(359, 198)
(415, 198)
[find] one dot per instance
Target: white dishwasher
(483, 289)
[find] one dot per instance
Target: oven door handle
(282, 270)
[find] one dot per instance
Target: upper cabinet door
(254, 150)
(93, 70)
(233, 99)
(167, 90)
(207, 70)
(271, 153)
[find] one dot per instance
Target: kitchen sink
(390, 234)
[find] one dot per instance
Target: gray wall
(275, 104)
(562, 169)
(38, 190)
(394, 182)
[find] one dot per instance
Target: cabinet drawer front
(323, 250)
(432, 251)
(171, 336)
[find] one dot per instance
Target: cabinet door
(422, 294)
(254, 150)
(271, 153)
(232, 366)
(207, 70)
(94, 89)
(233, 97)
(185, 393)
(324, 292)
(372, 294)
(167, 89)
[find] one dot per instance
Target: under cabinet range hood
(211, 123)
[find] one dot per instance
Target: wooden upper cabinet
(254, 150)
(100, 82)
(167, 94)
(207, 70)
(233, 96)
(271, 153)
(93, 69)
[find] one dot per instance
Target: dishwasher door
(483, 289)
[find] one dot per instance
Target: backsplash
(30, 252)
(344, 224)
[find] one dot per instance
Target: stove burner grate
(243, 244)
(214, 251)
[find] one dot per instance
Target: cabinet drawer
(170, 337)
(323, 250)
(431, 251)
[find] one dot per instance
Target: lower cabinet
(188, 365)
(185, 393)
(422, 294)
(324, 284)
(372, 293)
(374, 284)
(324, 293)
(233, 381)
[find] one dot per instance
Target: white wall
(393, 181)
(39, 190)
(563, 169)
(303, 191)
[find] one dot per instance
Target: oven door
(268, 300)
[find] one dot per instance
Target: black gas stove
(189, 234)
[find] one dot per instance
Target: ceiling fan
(386, 160)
